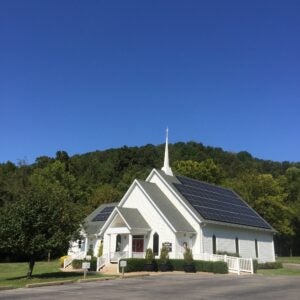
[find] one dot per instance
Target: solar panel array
(218, 204)
(103, 214)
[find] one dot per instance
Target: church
(176, 212)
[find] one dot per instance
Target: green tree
(43, 219)
(206, 170)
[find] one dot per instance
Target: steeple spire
(166, 168)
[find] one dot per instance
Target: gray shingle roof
(166, 207)
(133, 218)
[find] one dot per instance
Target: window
(256, 248)
(79, 244)
(214, 244)
(237, 248)
(155, 243)
(118, 243)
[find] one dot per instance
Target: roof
(170, 212)
(133, 218)
(214, 203)
(92, 223)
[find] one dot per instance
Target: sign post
(85, 267)
(123, 265)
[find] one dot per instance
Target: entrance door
(138, 243)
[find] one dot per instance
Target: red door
(137, 244)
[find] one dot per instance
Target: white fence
(235, 264)
(68, 260)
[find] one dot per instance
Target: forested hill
(272, 188)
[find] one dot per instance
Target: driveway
(179, 286)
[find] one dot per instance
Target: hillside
(272, 188)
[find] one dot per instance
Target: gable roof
(92, 224)
(165, 206)
(133, 218)
(215, 204)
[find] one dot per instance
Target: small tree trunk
(30, 265)
(49, 256)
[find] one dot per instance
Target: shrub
(77, 264)
(149, 256)
(100, 250)
(134, 265)
(93, 263)
(228, 253)
(207, 266)
(270, 265)
(164, 255)
(177, 264)
(220, 267)
(62, 259)
(188, 256)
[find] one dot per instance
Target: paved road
(169, 287)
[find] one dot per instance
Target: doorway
(138, 243)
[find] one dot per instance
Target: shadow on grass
(58, 275)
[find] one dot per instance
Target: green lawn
(289, 259)
(283, 271)
(14, 274)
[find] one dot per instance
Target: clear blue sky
(86, 75)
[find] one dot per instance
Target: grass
(289, 259)
(283, 271)
(14, 274)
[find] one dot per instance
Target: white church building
(176, 212)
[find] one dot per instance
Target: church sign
(168, 245)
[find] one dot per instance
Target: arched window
(155, 243)
(237, 248)
(79, 244)
(214, 244)
(256, 248)
(118, 243)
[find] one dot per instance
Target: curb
(96, 279)
(134, 276)
(33, 285)
(6, 287)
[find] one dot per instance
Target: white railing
(235, 264)
(101, 261)
(138, 254)
(69, 260)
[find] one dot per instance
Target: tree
(206, 170)
(43, 219)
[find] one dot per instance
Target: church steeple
(166, 168)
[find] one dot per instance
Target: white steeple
(166, 168)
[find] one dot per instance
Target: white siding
(137, 199)
(225, 237)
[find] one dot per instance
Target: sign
(168, 245)
(86, 265)
(123, 263)
(88, 257)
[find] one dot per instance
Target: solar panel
(218, 204)
(103, 214)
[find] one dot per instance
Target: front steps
(110, 268)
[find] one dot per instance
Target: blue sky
(86, 75)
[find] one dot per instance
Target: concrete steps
(109, 269)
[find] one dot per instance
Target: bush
(177, 264)
(93, 263)
(164, 255)
(270, 265)
(77, 264)
(100, 250)
(134, 265)
(188, 256)
(207, 266)
(62, 259)
(220, 267)
(228, 253)
(149, 256)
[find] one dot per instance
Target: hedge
(77, 263)
(220, 267)
(270, 265)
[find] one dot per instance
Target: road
(179, 286)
